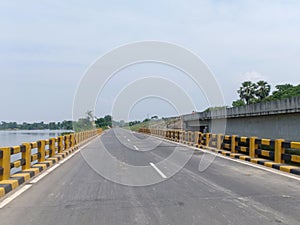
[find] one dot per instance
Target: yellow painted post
(66, 141)
(233, 143)
(52, 147)
(60, 144)
(207, 136)
(196, 135)
(219, 141)
(191, 140)
(72, 137)
(279, 150)
(252, 147)
(41, 150)
(5, 163)
(26, 155)
(182, 136)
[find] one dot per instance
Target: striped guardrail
(278, 154)
(35, 157)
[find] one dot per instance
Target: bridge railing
(279, 154)
(36, 156)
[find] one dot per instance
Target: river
(12, 138)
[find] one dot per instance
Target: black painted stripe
(23, 148)
(286, 144)
(276, 166)
(20, 180)
(262, 162)
(295, 171)
(286, 157)
(7, 187)
(47, 163)
(39, 167)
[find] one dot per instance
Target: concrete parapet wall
(275, 119)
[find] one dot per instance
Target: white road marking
(13, 196)
(136, 148)
(157, 170)
(128, 139)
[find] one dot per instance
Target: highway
(227, 192)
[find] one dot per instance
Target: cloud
(253, 76)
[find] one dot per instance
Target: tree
(104, 122)
(247, 92)
(262, 90)
(238, 103)
(285, 91)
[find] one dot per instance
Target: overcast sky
(46, 47)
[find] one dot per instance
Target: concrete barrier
(48, 152)
(278, 154)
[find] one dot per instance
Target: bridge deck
(226, 193)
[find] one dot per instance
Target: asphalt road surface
(227, 192)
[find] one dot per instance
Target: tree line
(251, 93)
(64, 125)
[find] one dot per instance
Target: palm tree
(247, 91)
(262, 90)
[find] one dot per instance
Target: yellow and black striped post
(52, 147)
(252, 147)
(219, 141)
(60, 144)
(66, 142)
(72, 140)
(279, 150)
(207, 136)
(233, 143)
(26, 155)
(5, 163)
(41, 150)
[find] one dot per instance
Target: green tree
(104, 122)
(247, 92)
(262, 90)
(238, 103)
(285, 91)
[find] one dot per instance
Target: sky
(46, 48)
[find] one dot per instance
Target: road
(227, 192)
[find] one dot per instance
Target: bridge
(56, 184)
(274, 119)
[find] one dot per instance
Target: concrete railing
(276, 107)
(278, 154)
(35, 157)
